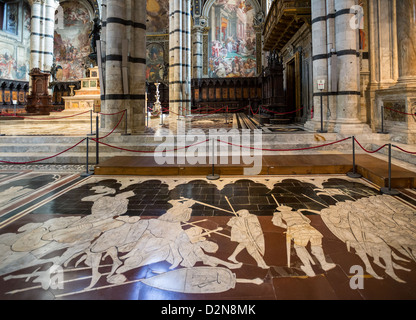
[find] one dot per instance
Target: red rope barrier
(124, 112)
(151, 151)
(368, 151)
(409, 114)
(54, 156)
(44, 119)
(258, 110)
(404, 150)
(112, 114)
(280, 150)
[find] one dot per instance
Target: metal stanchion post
(1, 134)
(382, 122)
(354, 173)
(87, 170)
(91, 133)
(97, 145)
(213, 176)
(322, 115)
(389, 190)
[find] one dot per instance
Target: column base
(351, 127)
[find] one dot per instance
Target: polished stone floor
(186, 238)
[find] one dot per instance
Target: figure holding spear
(247, 231)
(302, 233)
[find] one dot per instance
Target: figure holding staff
(302, 233)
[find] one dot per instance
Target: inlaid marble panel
(190, 238)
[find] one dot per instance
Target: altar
(88, 95)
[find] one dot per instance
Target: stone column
(332, 84)
(42, 35)
(406, 36)
(114, 99)
(124, 44)
(179, 57)
(197, 52)
(35, 36)
(320, 61)
(48, 34)
(187, 55)
(137, 64)
(348, 64)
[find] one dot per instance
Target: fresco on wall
(157, 16)
(232, 39)
(72, 44)
(14, 56)
(155, 68)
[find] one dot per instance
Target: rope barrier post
(1, 134)
(97, 145)
(322, 115)
(87, 170)
(382, 122)
(388, 190)
(354, 173)
(213, 176)
(125, 120)
(226, 116)
(91, 133)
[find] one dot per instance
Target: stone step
(29, 148)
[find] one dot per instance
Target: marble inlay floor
(187, 238)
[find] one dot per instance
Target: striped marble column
(197, 54)
(320, 61)
(179, 57)
(137, 65)
(124, 45)
(187, 56)
(36, 34)
(332, 63)
(114, 100)
(48, 34)
(42, 34)
(348, 63)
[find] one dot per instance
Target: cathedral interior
(196, 150)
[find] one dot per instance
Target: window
(9, 12)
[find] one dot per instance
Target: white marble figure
(373, 227)
(302, 233)
(247, 231)
(130, 242)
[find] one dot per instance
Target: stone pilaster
(406, 35)
(401, 96)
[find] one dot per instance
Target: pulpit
(39, 101)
